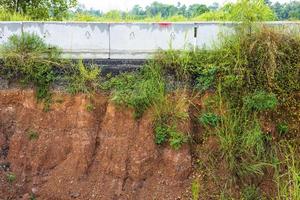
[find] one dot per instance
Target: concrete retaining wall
(125, 40)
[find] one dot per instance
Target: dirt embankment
(72, 152)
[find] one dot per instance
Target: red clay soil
(81, 154)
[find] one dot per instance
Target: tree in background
(196, 10)
(40, 9)
(287, 10)
(243, 10)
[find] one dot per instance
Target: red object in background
(165, 24)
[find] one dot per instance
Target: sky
(126, 5)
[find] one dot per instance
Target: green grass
(138, 90)
(260, 101)
(11, 177)
(90, 107)
(209, 119)
(30, 60)
(282, 128)
(251, 193)
(161, 134)
(195, 189)
(83, 79)
(9, 16)
(32, 135)
(288, 181)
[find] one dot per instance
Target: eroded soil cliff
(84, 149)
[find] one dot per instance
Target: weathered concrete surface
(127, 40)
(77, 40)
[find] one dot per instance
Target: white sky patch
(126, 5)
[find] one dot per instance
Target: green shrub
(206, 79)
(209, 119)
(83, 79)
(32, 197)
(90, 107)
(260, 101)
(165, 133)
(32, 135)
(242, 143)
(161, 134)
(251, 193)
(253, 140)
(11, 177)
(282, 128)
(177, 139)
(30, 60)
(138, 90)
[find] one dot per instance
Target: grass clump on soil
(32, 135)
(28, 60)
(251, 193)
(288, 171)
(260, 101)
(138, 90)
(282, 128)
(11, 177)
(195, 189)
(209, 119)
(83, 79)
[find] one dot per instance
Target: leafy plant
(32, 197)
(29, 59)
(32, 135)
(164, 132)
(209, 119)
(177, 139)
(90, 107)
(161, 134)
(282, 128)
(251, 193)
(11, 177)
(137, 90)
(260, 101)
(83, 79)
(206, 79)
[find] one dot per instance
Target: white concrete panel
(141, 40)
(8, 29)
(77, 40)
(127, 40)
(209, 34)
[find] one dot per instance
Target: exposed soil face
(72, 153)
